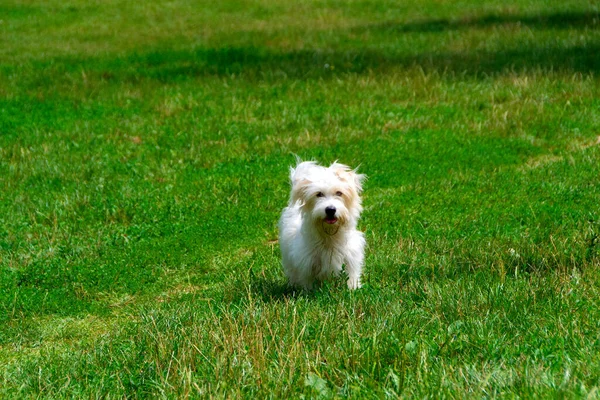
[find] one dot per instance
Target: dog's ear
(299, 189)
(358, 180)
(344, 173)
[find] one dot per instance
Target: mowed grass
(144, 155)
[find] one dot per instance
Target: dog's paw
(354, 283)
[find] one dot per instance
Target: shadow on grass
(270, 63)
(270, 290)
(261, 64)
(563, 20)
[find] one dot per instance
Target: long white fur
(312, 249)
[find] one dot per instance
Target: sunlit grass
(144, 152)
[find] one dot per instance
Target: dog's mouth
(330, 225)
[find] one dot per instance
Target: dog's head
(330, 197)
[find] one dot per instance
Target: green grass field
(144, 155)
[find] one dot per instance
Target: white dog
(317, 230)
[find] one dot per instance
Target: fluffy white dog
(317, 230)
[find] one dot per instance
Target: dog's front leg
(354, 260)
(354, 271)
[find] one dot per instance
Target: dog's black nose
(330, 211)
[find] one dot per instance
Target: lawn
(144, 155)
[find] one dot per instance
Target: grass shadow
(561, 20)
(270, 290)
(307, 64)
(380, 54)
(261, 62)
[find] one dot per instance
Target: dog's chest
(327, 261)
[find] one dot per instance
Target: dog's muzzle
(330, 215)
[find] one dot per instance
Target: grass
(144, 151)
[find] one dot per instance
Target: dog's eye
(339, 194)
(320, 194)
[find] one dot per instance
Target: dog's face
(330, 197)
